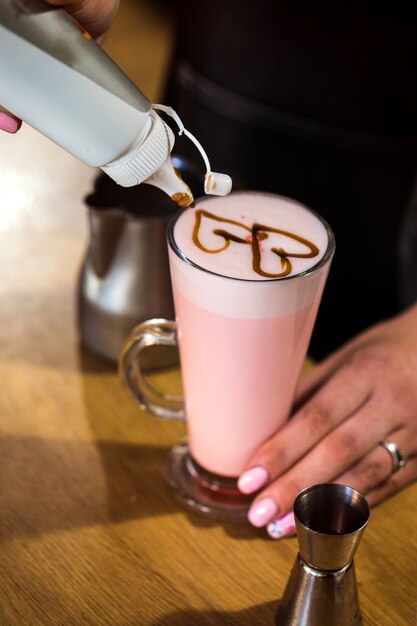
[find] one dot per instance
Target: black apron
(317, 103)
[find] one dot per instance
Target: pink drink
(243, 334)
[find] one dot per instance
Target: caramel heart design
(228, 237)
(260, 233)
(254, 236)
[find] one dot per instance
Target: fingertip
(9, 123)
(262, 511)
(253, 479)
(282, 527)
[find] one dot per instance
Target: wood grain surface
(90, 533)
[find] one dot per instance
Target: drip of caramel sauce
(182, 199)
(257, 233)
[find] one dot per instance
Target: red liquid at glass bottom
(203, 492)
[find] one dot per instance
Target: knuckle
(289, 489)
(343, 444)
(274, 455)
(317, 419)
(369, 360)
(348, 442)
(371, 472)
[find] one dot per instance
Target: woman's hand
(94, 15)
(363, 394)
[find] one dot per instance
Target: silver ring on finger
(398, 457)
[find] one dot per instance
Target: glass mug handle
(154, 332)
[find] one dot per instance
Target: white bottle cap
(217, 184)
(146, 157)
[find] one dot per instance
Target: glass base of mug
(196, 488)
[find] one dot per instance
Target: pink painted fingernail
(261, 512)
(253, 479)
(282, 526)
(8, 123)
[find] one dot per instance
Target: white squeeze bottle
(56, 78)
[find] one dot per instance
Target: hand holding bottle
(77, 93)
(95, 17)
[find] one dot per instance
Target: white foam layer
(254, 297)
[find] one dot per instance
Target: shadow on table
(91, 363)
(52, 484)
(143, 465)
(61, 484)
(254, 615)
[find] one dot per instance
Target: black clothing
(318, 103)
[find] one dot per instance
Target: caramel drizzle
(182, 199)
(258, 232)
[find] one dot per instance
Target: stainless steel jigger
(322, 590)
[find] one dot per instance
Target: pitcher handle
(154, 332)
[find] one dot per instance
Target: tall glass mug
(248, 272)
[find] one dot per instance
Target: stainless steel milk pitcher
(124, 278)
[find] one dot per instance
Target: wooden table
(90, 533)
